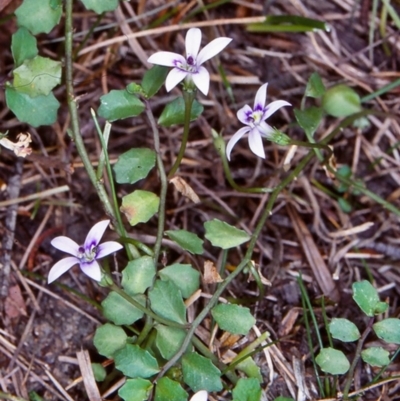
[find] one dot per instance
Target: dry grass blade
(87, 375)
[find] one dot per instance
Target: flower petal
(168, 59)
(106, 248)
(256, 144)
(244, 113)
(66, 244)
(174, 77)
(96, 232)
(273, 107)
(192, 42)
(92, 270)
(261, 97)
(202, 80)
(213, 48)
(61, 267)
(201, 395)
(265, 130)
(235, 138)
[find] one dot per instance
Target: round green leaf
(138, 275)
(186, 240)
(184, 277)
(119, 104)
(102, 6)
(134, 361)
(169, 340)
(153, 79)
(139, 206)
(375, 356)
(119, 310)
(23, 46)
(344, 330)
(233, 318)
(174, 112)
(99, 372)
(135, 390)
(200, 374)
(224, 235)
(332, 361)
(39, 15)
(169, 390)
(108, 339)
(341, 101)
(247, 389)
(366, 297)
(134, 165)
(388, 330)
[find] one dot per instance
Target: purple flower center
(254, 117)
(89, 254)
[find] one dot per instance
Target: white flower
(254, 119)
(190, 68)
(201, 395)
(86, 255)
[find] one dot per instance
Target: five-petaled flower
(190, 68)
(86, 255)
(254, 119)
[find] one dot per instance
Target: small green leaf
(119, 104)
(250, 368)
(375, 356)
(184, 277)
(224, 235)
(118, 310)
(166, 301)
(108, 339)
(23, 46)
(134, 165)
(345, 205)
(41, 110)
(388, 330)
(99, 372)
(153, 79)
(39, 15)
(200, 374)
(309, 119)
(247, 389)
(174, 112)
(187, 241)
(139, 206)
(365, 296)
(169, 390)
(341, 101)
(138, 275)
(233, 318)
(135, 390)
(315, 87)
(134, 361)
(102, 6)
(169, 340)
(344, 330)
(381, 307)
(37, 76)
(332, 361)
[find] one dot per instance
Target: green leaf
(224, 235)
(39, 15)
(169, 390)
(23, 46)
(174, 112)
(139, 206)
(169, 340)
(99, 372)
(281, 398)
(381, 307)
(309, 119)
(233, 318)
(138, 275)
(118, 310)
(345, 205)
(388, 330)
(184, 277)
(108, 339)
(166, 301)
(134, 361)
(41, 110)
(102, 6)
(250, 368)
(187, 241)
(344, 330)
(375, 356)
(134, 165)
(119, 104)
(341, 101)
(332, 361)
(153, 79)
(247, 389)
(200, 374)
(315, 87)
(135, 390)
(366, 297)
(37, 76)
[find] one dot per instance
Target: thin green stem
(188, 97)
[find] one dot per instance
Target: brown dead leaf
(211, 274)
(14, 306)
(184, 188)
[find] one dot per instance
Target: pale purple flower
(254, 119)
(201, 395)
(86, 255)
(190, 68)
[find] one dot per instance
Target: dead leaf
(15, 304)
(211, 274)
(184, 188)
